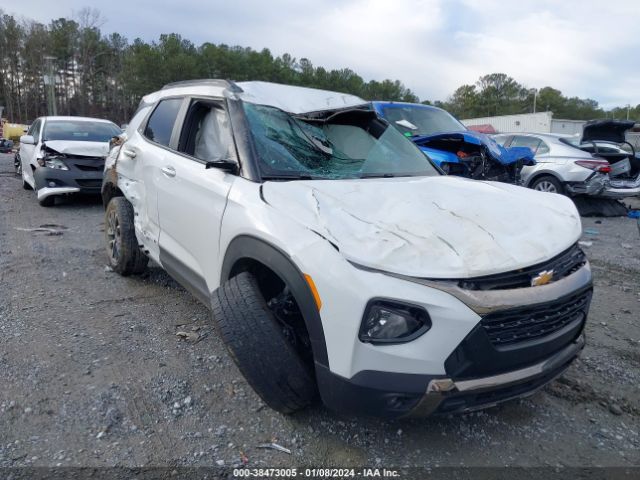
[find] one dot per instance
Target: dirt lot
(93, 374)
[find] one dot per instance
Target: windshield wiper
(377, 175)
(289, 176)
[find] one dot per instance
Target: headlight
(53, 162)
(389, 322)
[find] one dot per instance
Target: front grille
(562, 265)
(89, 168)
(90, 183)
(524, 324)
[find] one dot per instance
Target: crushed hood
(84, 149)
(432, 227)
(606, 130)
(505, 156)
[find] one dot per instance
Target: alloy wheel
(546, 186)
(114, 237)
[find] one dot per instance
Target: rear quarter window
(161, 122)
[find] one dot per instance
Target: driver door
(192, 197)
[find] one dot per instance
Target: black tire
(548, 183)
(259, 348)
(47, 201)
(123, 251)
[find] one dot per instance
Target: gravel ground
(93, 373)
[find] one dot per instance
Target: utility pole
(628, 108)
(535, 97)
(50, 83)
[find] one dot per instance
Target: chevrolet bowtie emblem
(542, 278)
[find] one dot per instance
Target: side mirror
(27, 139)
(224, 165)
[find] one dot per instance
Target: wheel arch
(246, 252)
(110, 187)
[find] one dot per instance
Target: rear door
(139, 167)
(192, 198)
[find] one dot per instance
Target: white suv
(337, 260)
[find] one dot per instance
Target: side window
(206, 133)
(542, 148)
(160, 124)
(522, 141)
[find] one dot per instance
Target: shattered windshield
(413, 120)
(75, 130)
(351, 144)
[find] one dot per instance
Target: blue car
(451, 146)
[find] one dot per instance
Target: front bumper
(394, 395)
(524, 339)
(83, 176)
(446, 395)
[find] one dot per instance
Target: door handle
(128, 152)
(169, 171)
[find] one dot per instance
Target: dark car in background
(6, 146)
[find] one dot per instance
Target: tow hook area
(445, 395)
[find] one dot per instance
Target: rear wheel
(548, 184)
(123, 252)
(266, 347)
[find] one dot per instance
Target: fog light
(388, 322)
(52, 184)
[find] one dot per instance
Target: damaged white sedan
(63, 155)
(337, 260)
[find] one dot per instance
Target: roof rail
(204, 81)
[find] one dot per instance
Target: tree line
(104, 75)
(499, 94)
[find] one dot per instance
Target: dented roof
(296, 100)
(291, 99)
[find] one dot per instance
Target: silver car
(563, 168)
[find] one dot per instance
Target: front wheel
(548, 184)
(123, 252)
(261, 348)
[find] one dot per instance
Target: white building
(541, 122)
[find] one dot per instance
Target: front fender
(245, 247)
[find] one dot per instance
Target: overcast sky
(585, 48)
